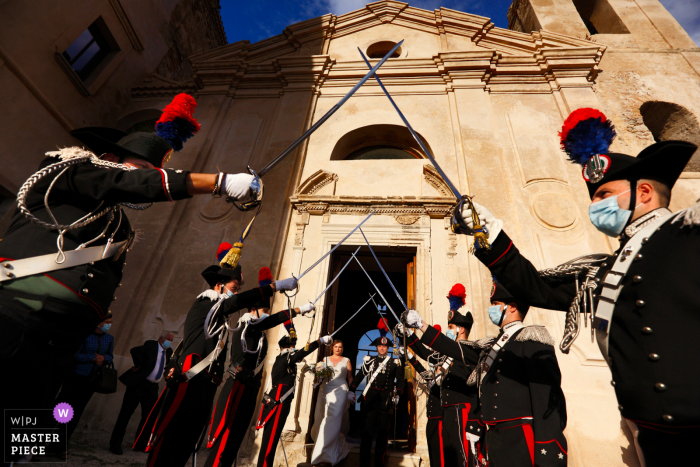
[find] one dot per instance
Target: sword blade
(349, 319)
(336, 246)
(336, 277)
(415, 135)
(385, 275)
(378, 291)
(328, 114)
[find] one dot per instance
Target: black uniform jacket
(524, 382)
(245, 363)
(79, 191)
(454, 389)
(284, 370)
(653, 340)
(433, 405)
(196, 342)
(383, 385)
(145, 357)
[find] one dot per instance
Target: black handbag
(105, 380)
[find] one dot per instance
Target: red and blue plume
(264, 276)
(223, 249)
(586, 132)
(176, 125)
(383, 330)
(457, 297)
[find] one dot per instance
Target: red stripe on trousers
(442, 452)
(234, 391)
(229, 420)
(530, 439)
(274, 427)
(149, 416)
(465, 421)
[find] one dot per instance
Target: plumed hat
(456, 296)
(175, 126)
(287, 341)
(215, 274)
(500, 294)
(458, 319)
(264, 278)
(586, 137)
(383, 331)
(382, 340)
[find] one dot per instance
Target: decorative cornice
(435, 207)
(315, 182)
(431, 175)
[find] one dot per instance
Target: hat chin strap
(633, 202)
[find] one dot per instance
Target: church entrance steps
(393, 458)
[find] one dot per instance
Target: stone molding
(511, 61)
(317, 181)
(431, 175)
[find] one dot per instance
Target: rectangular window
(90, 49)
(599, 17)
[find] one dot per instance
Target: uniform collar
(641, 222)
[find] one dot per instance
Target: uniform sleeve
(109, 353)
(446, 346)
(520, 277)
(117, 185)
(360, 375)
(299, 355)
(418, 366)
(246, 299)
(273, 320)
(417, 346)
(548, 404)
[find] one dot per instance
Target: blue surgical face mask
(105, 327)
(229, 294)
(451, 334)
(262, 315)
(496, 313)
(166, 344)
(608, 217)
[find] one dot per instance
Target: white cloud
(687, 13)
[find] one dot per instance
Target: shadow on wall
(668, 121)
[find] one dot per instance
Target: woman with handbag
(90, 374)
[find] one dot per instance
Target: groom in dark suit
(141, 382)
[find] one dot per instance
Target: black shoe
(116, 450)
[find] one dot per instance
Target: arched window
(375, 142)
(379, 49)
(668, 121)
(365, 348)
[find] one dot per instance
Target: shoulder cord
(586, 266)
(63, 165)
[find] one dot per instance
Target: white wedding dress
(331, 419)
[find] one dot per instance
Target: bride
(331, 421)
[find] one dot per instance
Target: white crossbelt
(375, 374)
(213, 355)
(441, 374)
(10, 270)
(611, 284)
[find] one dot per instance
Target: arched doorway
(668, 121)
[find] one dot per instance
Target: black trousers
(511, 444)
(37, 348)
(77, 391)
(433, 431)
(377, 414)
(181, 415)
(145, 394)
(272, 432)
(227, 433)
(456, 450)
(664, 449)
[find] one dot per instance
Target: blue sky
(259, 19)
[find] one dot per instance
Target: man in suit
(141, 382)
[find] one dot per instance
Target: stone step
(393, 458)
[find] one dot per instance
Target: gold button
(654, 357)
(661, 387)
(646, 330)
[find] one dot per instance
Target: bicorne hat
(586, 137)
(215, 274)
(458, 319)
(287, 341)
(500, 294)
(175, 126)
(382, 340)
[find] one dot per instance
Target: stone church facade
(488, 102)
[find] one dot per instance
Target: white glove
(402, 331)
(402, 351)
(210, 294)
(413, 319)
(325, 340)
(245, 318)
(307, 309)
(352, 397)
(493, 225)
(286, 284)
(238, 187)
